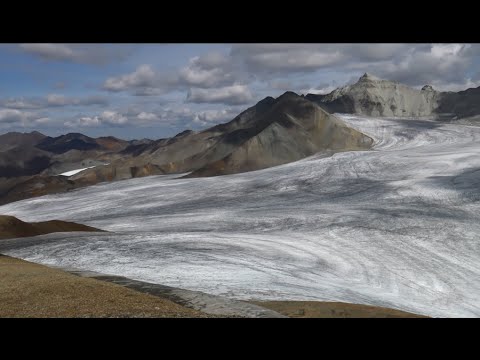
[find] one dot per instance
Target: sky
(135, 91)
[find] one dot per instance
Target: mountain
(12, 140)
(23, 161)
(377, 97)
(291, 129)
(20, 157)
(34, 153)
(270, 133)
(462, 104)
(76, 141)
(273, 132)
(30, 162)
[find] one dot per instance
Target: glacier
(396, 226)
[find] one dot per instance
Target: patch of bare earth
(11, 227)
(318, 309)
(32, 290)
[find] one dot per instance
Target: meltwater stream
(397, 226)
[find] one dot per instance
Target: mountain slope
(272, 132)
(23, 161)
(292, 129)
(461, 104)
(377, 97)
(12, 140)
(75, 141)
(11, 227)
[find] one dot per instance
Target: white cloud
(12, 116)
(206, 71)
(106, 117)
(437, 64)
(447, 50)
(79, 53)
(51, 51)
(322, 90)
(83, 122)
(412, 64)
(145, 116)
(143, 77)
(57, 100)
(211, 117)
(113, 117)
(287, 57)
(232, 95)
(22, 103)
(52, 100)
(44, 121)
(17, 118)
(299, 60)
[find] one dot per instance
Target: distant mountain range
(270, 133)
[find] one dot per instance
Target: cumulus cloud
(57, 100)
(205, 71)
(322, 89)
(10, 118)
(84, 121)
(286, 57)
(45, 121)
(413, 64)
(98, 54)
(210, 70)
(52, 100)
(22, 103)
(113, 117)
(211, 117)
(292, 58)
(232, 95)
(61, 100)
(107, 117)
(372, 52)
(436, 64)
(235, 80)
(146, 116)
(143, 77)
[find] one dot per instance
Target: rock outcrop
(11, 227)
(377, 97)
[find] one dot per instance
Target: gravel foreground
(37, 291)
(318, 309)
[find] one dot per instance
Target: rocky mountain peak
(267, 101)
(288, 95)
(428, 88)
(368, 77)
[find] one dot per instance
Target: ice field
(396, 226)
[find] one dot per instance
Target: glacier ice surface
(395, 226)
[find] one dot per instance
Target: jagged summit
(377, 97)
(428, 88)
(288, 95)
(368, 77)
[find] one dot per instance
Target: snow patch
(73, 172)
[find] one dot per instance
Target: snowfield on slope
(397, 226)
(76, 171)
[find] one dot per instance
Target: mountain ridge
(274, 131)
(373, 96)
